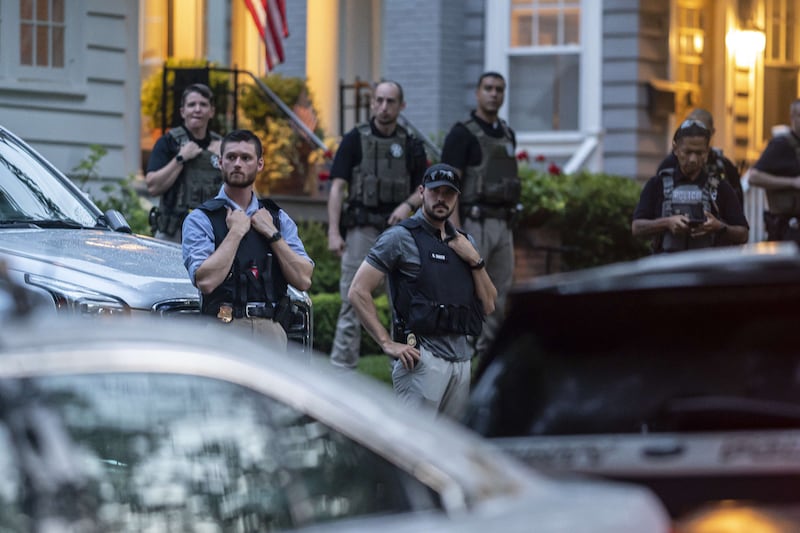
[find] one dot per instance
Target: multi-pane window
(690, 41)
(544, 58)
(41, 33)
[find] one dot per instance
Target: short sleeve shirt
(395, 253)
(779, 158)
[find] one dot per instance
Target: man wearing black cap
(440, 293)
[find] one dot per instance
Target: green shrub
(326, 313)
(596, 226)
(591, 211)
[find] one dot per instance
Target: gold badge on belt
(225, 313)
(411, 340)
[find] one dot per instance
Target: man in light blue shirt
(242, 252)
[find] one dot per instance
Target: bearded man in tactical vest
(777, 171)
(684, 208)
(483, 149)
(184, 165)
(379, 166)
(440, 292)
(241, 252)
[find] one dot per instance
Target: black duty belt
(259, 310)
(480, 212)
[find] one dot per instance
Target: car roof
(765, 262)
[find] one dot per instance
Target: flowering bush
(544, 190)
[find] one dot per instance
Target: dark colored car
(679, 372)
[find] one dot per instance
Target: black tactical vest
(692, 201)
(382, 180)
(198, 181)
(441, 299)
(253, 255)
(495, 181)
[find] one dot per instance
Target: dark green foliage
(326, 312)
(596, 226)
(327, 265)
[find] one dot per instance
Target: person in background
(777, 171)
(242, 252)
(440, 293)
(482, 148)
(717, 165)
(378, 167)
(184, 165)
(685, 208)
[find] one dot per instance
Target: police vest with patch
(689, 200)
(441, 300)
(495, 181)
(382, 180)
(255, 275)
(198, 181)
(786, 201)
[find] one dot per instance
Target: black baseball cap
(441, 174)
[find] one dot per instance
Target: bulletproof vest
(495, 180)
(786, 201)
(692, 201)
(382, 179)
(198, 181)
(441, 298)
(255, 275)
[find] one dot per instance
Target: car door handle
(664, 449)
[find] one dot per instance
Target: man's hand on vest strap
(190, 150)
(461, 246)
(237, 221)
(262, 222)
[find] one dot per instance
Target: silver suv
(80, 261)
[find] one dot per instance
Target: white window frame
(497, 56)
(67, 80)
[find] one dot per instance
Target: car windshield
(682, 359)
(30, 192)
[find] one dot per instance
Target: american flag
(270, 19)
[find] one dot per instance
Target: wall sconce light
(746, 45)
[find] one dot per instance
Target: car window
(30, 191)
(667, 361)
(167, 452)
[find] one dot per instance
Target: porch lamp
(746, 45)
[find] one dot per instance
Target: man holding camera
(684, 208)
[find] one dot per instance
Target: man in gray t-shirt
(440, 293)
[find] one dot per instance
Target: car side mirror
(116, 221)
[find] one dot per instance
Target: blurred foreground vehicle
(81, 261)
(188, 428)
(679, 372)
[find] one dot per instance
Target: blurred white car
(177, 426)
(80, 261)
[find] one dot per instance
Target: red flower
(540, 158)
(554, 169)
(522, 155)
(324, 175)
(328, 154)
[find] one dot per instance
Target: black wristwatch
(179, 159)
(479, 265)
(275, 237)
